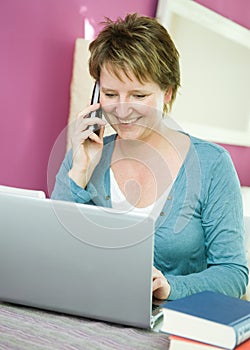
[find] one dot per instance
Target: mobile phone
(98, 113)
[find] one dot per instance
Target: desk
(27, 328)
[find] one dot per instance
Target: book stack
(207, 320)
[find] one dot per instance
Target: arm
(222, 222)
(216, 231)
(66, 189)
(79, 164)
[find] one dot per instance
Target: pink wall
(37, 42)
(235, 10)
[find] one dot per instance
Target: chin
(130, 134)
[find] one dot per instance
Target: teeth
(131, 121)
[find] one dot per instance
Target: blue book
(208, 317)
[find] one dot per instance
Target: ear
(168, 95)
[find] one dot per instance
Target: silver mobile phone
(98, 113)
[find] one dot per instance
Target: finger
(94, 137)
(98, 137)
(81, 137)
(154, 269)
(101, 133)
(95, 120)
(85, 112)
(85, 122)
(157, 283)
(156, 273)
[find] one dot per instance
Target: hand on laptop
(161, 287)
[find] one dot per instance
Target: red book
(179, 343)
(244, 346)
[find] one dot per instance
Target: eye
(139, 96)
(109, 95)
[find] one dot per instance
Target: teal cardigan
(199, 235)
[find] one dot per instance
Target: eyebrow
(105, 89)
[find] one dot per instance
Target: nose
(123, 110)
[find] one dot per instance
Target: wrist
(79, 176)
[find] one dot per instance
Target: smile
(128, 122)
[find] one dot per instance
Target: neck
(144, 148)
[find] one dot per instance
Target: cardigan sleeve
(222, 222)
(66, 189)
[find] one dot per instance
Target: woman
(189, 185)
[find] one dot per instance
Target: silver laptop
(77, 259)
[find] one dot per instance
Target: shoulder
(213, 160)
(209, 153)
(207, 148)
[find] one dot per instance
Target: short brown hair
(140, 45)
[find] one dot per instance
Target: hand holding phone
(98, 113)
(86, 146)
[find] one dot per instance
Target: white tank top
(120, 203)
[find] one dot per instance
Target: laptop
(22, 191)
(77, 259)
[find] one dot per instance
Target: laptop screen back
(77, 259)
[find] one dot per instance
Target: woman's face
(133, 109)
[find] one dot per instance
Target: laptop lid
(22, 191)
(78, 259)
